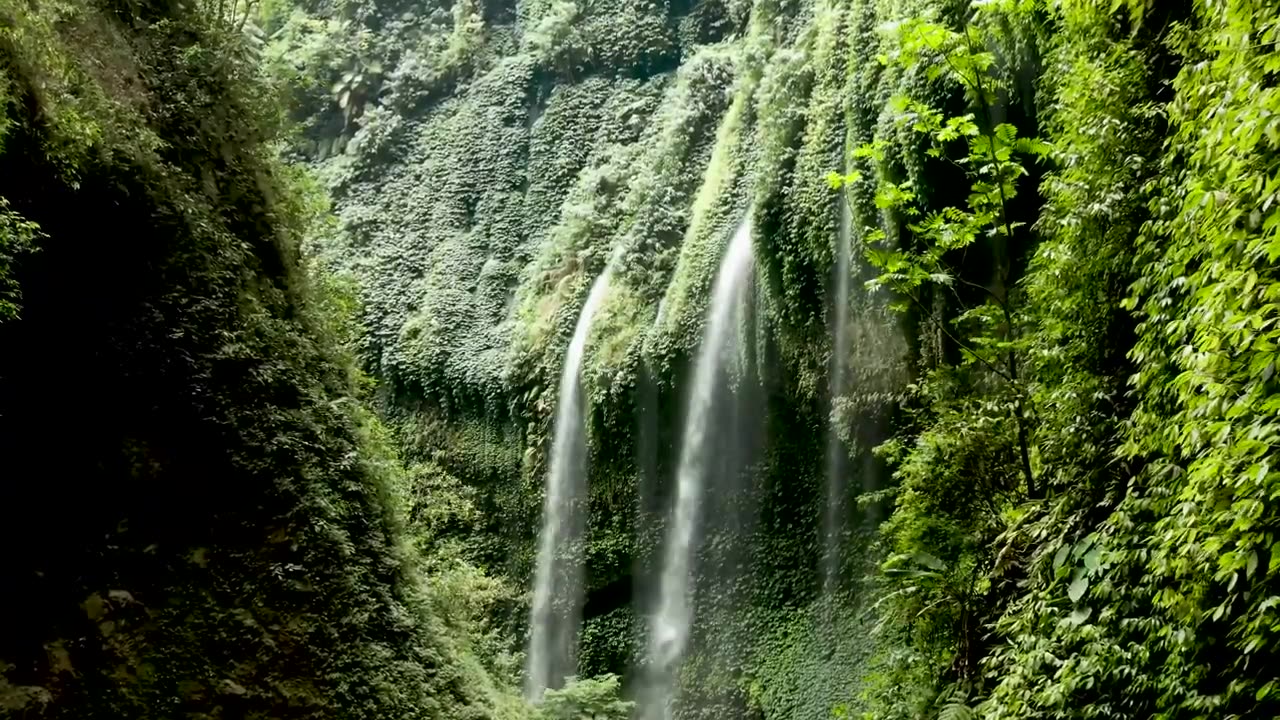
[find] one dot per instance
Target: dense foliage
(200, 518)
(283, 434)
(1063, 387)
(1135, 580)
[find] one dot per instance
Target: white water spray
(558, 592)
(670, 630)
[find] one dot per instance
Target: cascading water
(833, 521)
(669, 634)
(557, 594)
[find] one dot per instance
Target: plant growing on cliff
(587, 699)
(18, 237)
(971, 444)
(992, 161)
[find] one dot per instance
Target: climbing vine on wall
(1069, 202)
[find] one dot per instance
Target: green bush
(586, 699)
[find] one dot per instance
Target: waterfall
(669, 634)
(557, 596)
(833, 521)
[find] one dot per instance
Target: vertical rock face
(197, 519)
(504, 154)
(201, 520)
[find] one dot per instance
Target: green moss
(476, 227)
(229, 531)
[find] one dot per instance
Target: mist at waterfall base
(720, 350)
(556, 615)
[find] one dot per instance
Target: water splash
(558, 593)
(833, 521)
(669, 634)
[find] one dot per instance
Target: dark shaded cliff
(199, 518)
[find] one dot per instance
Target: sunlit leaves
(18, 237)
(837, 181)
(895, 196)
(962, 55)
(586, 699)
(1079, 584)
(1080, 615)
(1181, 561)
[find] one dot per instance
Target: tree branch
(1012, 360)
(928, 314)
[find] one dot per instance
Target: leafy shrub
(586, 699)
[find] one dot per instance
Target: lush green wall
(508, 155)
(1079, 389)
(1072, 202)
(200, 519)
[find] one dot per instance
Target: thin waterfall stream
(558, 592)
(836, 490)
(672, 624)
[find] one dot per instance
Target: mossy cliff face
(1074, 201)
(199, 520)
(505, 155)
(1061, 521)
